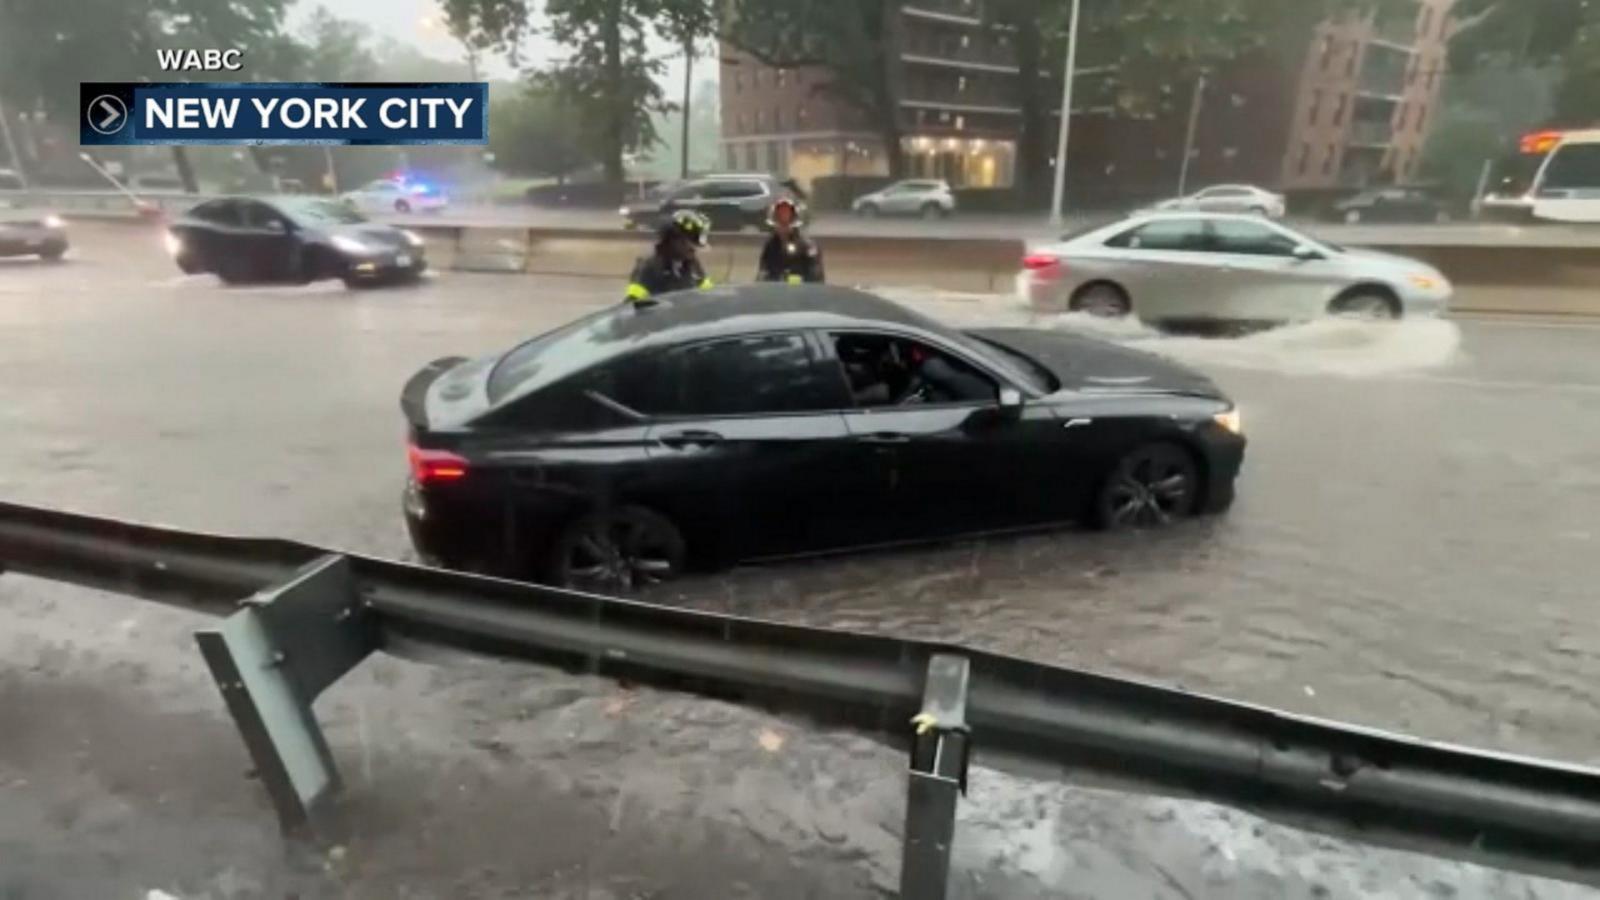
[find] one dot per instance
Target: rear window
(557, 354)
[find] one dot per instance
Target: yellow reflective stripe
(706, 285)
(636, 291)
(795, 279)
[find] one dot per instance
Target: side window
(889, 370)
(561, 407)
(217, 212)
(642, 382)
(770, 373)
(738, 190)
(1250, 238)
(259, 215)
(1169, 234)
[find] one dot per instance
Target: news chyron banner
(365, 114)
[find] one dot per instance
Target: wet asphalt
(1414, 548)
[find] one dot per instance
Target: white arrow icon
(112, 114)
(107, 114)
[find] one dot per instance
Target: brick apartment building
(1348, 108)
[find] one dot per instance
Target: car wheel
(53, 254)
(617, 551)
(1365, 303)
(1102, 300)
(869, 210)
(932, 211)
(401, 206)
(1150, 487)
(1352, 217)
(233, 271)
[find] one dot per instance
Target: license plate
(403, 259)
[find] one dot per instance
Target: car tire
(1352, 217)
(620, 550)
(869, 210)
(1101, 299)
(1151, 486)
(53, 254)
(933, 211)
(402, 207)
(1365, 303)
(233, 271)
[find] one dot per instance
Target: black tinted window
(560, 408)
(1574, 166)
(259, 215)
(737, 189)
(217, 212)
(1171, 234)
(766, 374)
(1231, 236)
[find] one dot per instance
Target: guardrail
(299, 617)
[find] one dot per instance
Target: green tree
(1518, 36)
(529, 133)
(45, 44)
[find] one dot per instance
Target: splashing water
(1341, 347)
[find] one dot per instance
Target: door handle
(678, 440)
(886, 437)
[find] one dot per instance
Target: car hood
(1091, 365)
(1394, 260)
(371, 233)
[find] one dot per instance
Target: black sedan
(293, 240)
(31, 234)
(766, 421)
(1396, 204)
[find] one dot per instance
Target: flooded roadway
(1413, 549)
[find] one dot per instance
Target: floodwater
(1414, 548)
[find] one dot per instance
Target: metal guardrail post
(939, 751)
(271, 659)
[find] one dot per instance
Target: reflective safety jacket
(794, 261)
(656, 274)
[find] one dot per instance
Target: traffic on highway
(758, 412)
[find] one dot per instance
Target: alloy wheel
(624, 551)
(1150, 488)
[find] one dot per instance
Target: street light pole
(688, 84)
(1188, 140)
(1066, 116)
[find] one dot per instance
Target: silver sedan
(1198, 266)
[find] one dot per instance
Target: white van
(1565, 186)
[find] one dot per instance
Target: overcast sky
(405, 20)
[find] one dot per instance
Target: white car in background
(930, 198)
(388, 196)
(1229, 198)
(1200, 267)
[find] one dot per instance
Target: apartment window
(961, 84)
(750, 157)
(1338, 112)
(1404, 118)
(733, 158)
(783, 77)
(966, 41)
(1303, 160)
(1327, 52)
(961, 123)
(761, 119)
(1316, 107)
(772, 157)
(1327, 161)
(738, 81)
(1422, 117)
(777, 119)
(743, 120)
(801, 114)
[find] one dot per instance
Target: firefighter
(675, 265)
(788, 256)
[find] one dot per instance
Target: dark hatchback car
(1400, 204)
(767, 421)
(731, 202)
(293, 240)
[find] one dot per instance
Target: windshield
(1514, 174)
(312, 212)
(1573, 166)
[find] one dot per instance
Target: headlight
(413, 238)
(54, 222)
(1230, 420)
(1426, 282)
(622, 210)
(174, 243)
(349, 244)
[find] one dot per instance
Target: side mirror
(276, 226)
(1306, 253)
(1010, 402)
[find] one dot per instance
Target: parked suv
(731, 202)
(928, 198)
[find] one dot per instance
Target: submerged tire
(616, 551)
(1149, 487)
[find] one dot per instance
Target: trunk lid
(445, 393)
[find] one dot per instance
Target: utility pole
(1188, 140)
(11, 146)
(1066, 116)
(688, 83)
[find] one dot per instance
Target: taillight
(1043, 265)
(434, 466)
